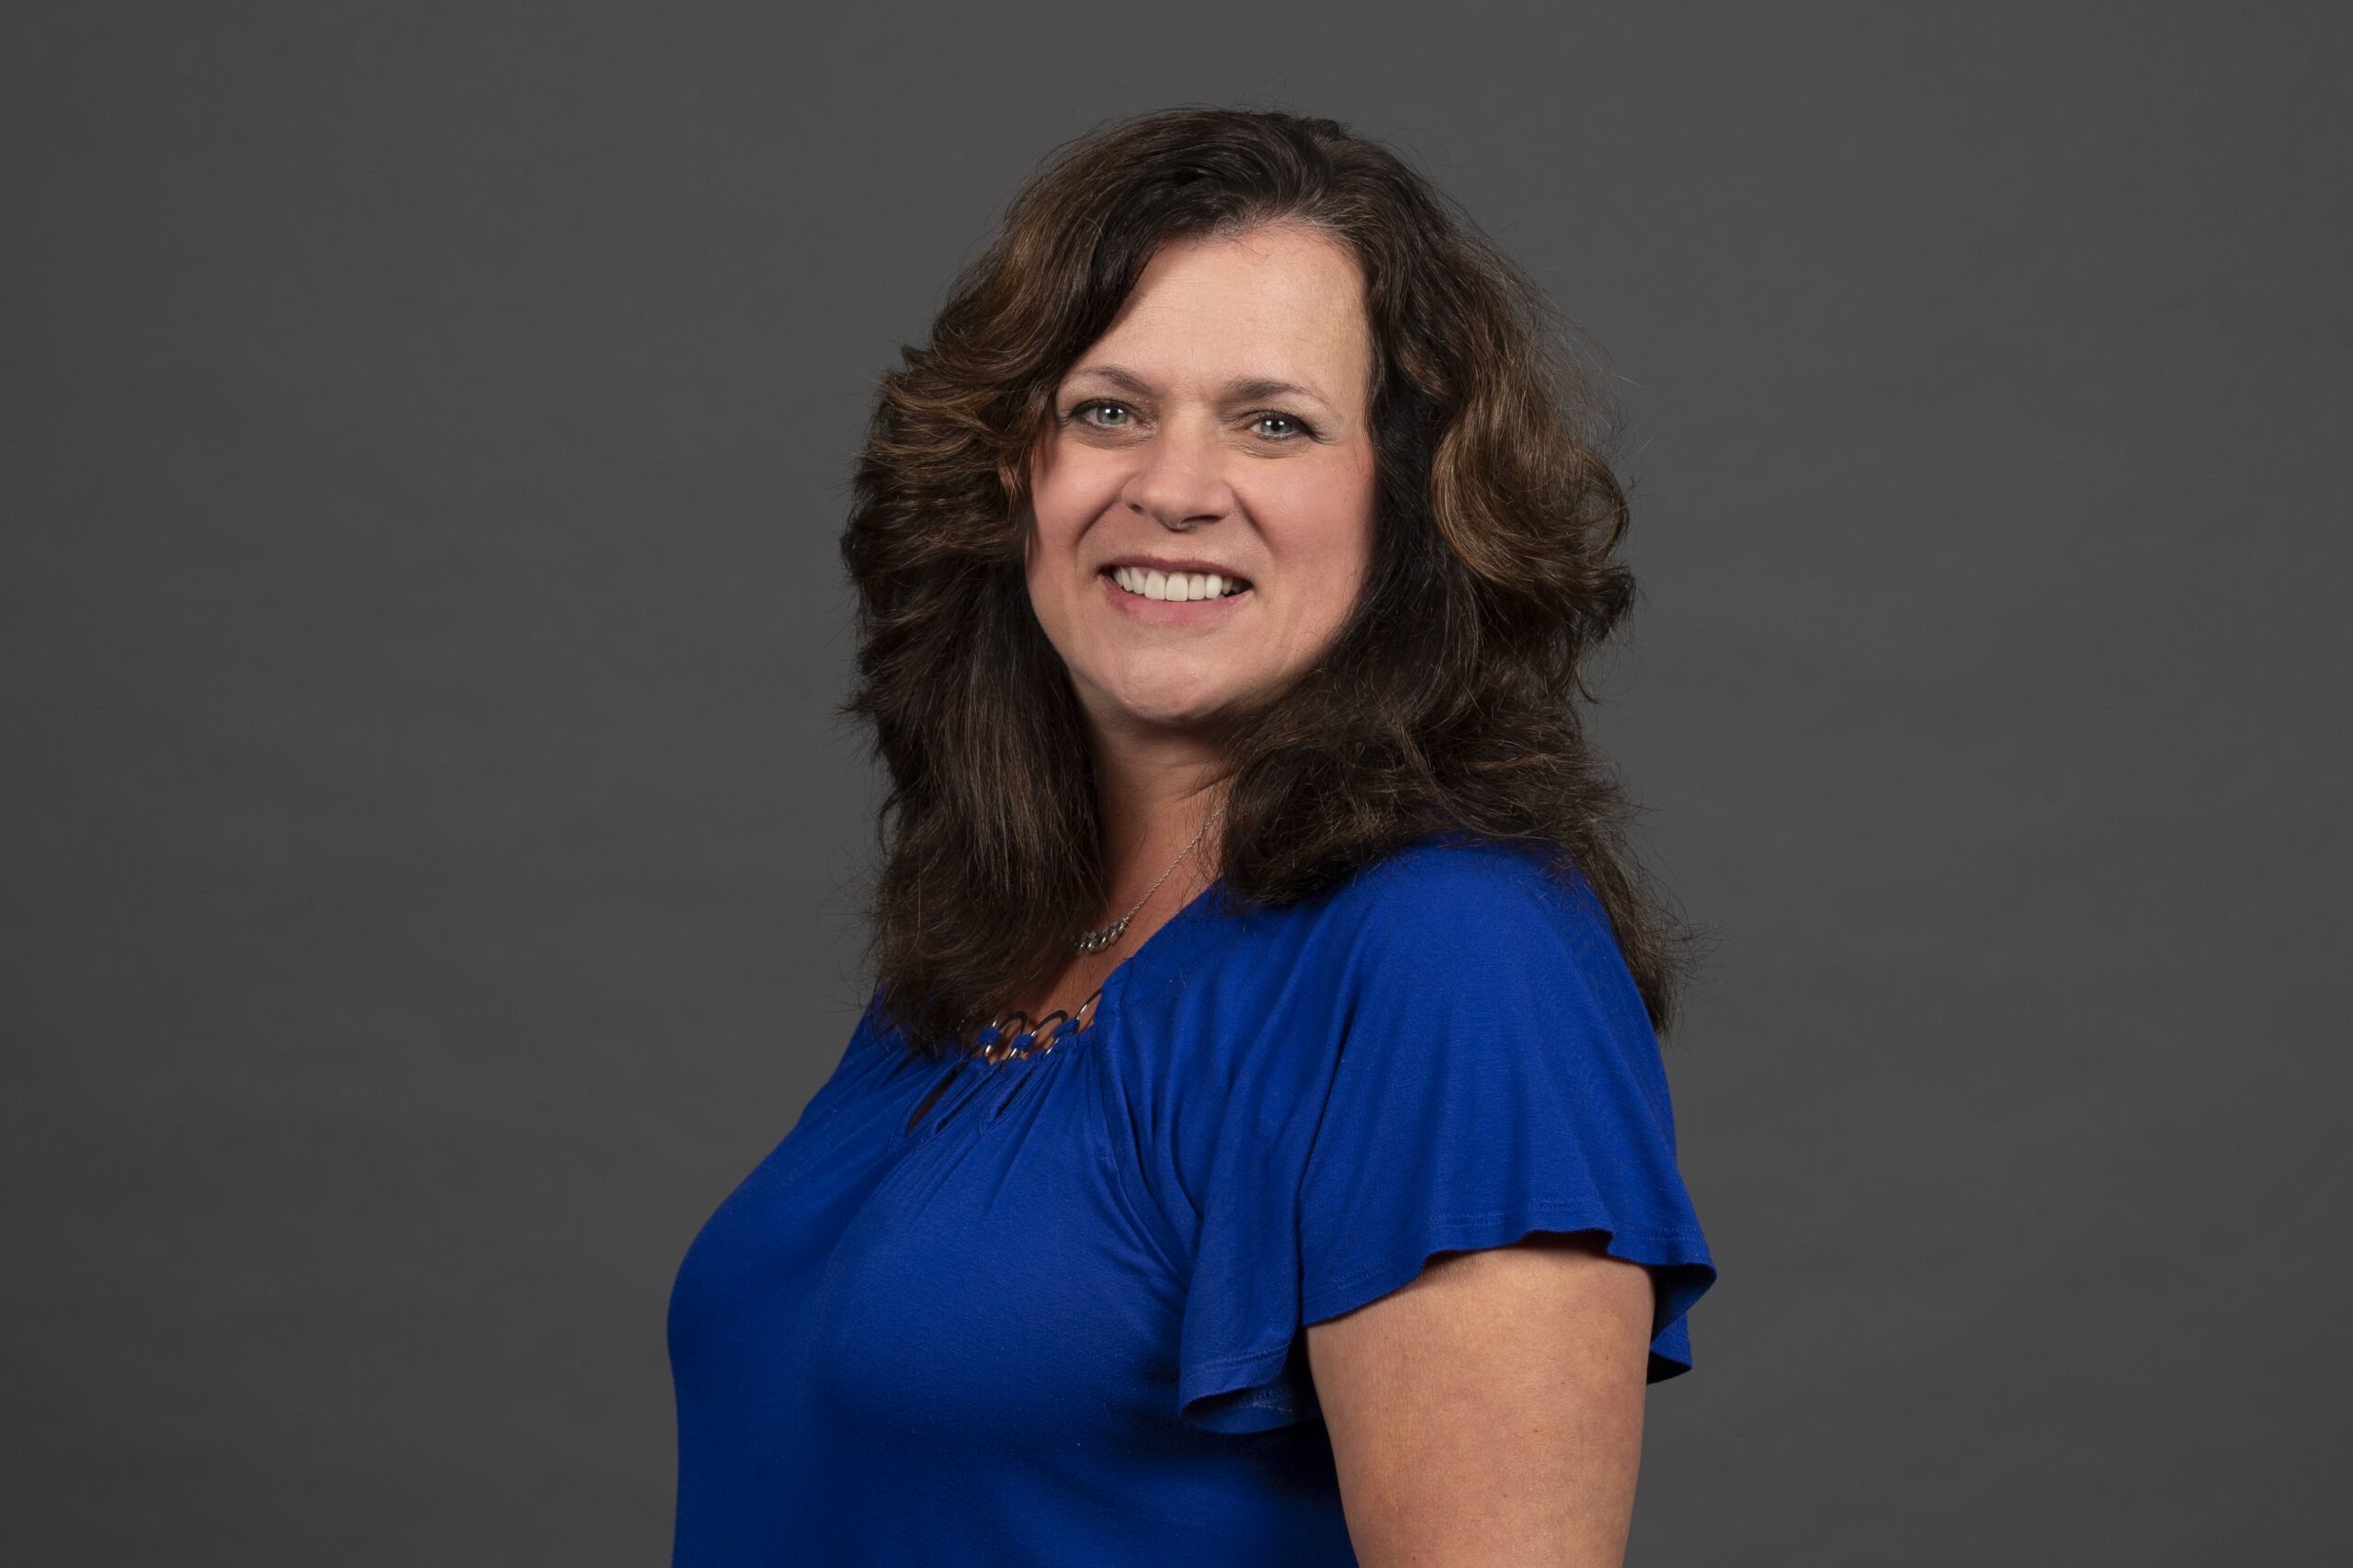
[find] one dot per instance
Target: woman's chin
(1192, 708)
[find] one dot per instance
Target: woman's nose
(1180, 476)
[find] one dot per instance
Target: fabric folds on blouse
(1060, 1317)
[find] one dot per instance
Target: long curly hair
(1450, 700)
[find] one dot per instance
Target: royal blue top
(1060, 1320)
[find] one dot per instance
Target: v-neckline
(1115, 982)
(932, 1109)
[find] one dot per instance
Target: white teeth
(1179, 586)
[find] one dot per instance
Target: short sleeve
(1492, 1074)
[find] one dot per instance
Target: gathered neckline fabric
(958, 1080)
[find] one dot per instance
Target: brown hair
(1450, 699)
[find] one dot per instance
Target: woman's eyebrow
(1238, 390)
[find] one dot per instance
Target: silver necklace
(1102, 937)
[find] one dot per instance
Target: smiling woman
(1257, 1147)
(1215, 329)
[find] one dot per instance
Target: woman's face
(1220, 426)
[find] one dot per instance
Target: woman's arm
(1490, 1413)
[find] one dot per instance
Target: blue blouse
(1059, 1319)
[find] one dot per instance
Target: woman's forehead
(1224, 318)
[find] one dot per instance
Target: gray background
(428, 859)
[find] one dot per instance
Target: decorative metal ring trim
(1013, 1033)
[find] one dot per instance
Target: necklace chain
(1102, 937)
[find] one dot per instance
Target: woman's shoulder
(1465, 863)
(1468, 897)
(1482, 919)
(1482, 901)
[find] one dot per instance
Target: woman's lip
(1169, 612)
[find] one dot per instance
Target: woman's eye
(1117, 416)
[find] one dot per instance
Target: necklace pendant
(1102, 937)
(1094, 941)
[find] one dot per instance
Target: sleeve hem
(1246, 1393)
(1406, 1256)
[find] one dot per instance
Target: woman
(1257, 1147)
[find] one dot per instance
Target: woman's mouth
(1132, 590)
(1175, 587)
